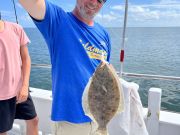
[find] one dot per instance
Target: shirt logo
(103, 44)
(94, 52)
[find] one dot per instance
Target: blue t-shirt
(75, 50)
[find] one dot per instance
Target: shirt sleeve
(50, 24)
(24, 40)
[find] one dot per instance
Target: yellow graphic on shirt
(94, 52)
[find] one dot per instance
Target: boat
(157, 122)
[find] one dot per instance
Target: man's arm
(36, 8)
(26, 67)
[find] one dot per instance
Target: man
(76, 44)
(15, 101)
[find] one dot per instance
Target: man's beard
(86, 15)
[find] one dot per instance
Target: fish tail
(101, 132)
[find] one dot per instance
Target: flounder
(102, 98)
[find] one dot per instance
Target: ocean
(147, 51)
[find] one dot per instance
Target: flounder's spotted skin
(103, 95)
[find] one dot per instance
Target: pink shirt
(11, 38)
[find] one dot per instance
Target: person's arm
(36, 8)
(26, 67)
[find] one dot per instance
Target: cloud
(158, 13)
(110, 19)
(107, 17)
(117, 7)
(141, 13)
(8, 15)
(19, 5)
(169, 2)
(25, 17)
(138, 14)
(26, 21)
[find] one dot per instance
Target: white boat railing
(157, 122)
(149, 76)
(126, 74)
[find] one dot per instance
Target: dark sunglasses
(101, 1)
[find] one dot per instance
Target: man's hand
(22, 95)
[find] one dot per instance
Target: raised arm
(36, 8)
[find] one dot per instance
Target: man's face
(88, 8)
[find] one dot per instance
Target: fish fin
(101, 132)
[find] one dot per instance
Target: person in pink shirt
(15, 100)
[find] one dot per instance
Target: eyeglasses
(101, 1)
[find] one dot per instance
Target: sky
(141, 13)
